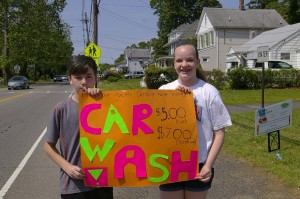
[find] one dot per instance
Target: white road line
(13, 177)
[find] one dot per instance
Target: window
(202, 41)
(207, 40)
(212, 38)
(285, 56)
(253, 34)
(205, 59)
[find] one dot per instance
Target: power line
(126, 20)
(131, 6)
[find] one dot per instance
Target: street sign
(262, 54)
(93, 51)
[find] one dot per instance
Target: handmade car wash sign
(138, 137)
(273, 118)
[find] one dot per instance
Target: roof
(269, 38)
(137, 53)
(236, 18)
(188, 31)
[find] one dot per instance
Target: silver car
(16, 82)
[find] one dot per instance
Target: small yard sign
(273, 118)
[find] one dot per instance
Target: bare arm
(72, 170)
(205, 173)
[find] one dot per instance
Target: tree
(38, 37)
(288, 9)
(173, 13)
(294, 12)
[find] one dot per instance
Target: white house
(283, 43)
(219, 29)
(182, 32)
(137, 59)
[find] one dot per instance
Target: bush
(237, 78)
(252, 79)
(155, 77)
(112, 76)
(217, 78)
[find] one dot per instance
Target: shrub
(155, 77)
(217, 78)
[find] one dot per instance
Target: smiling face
(186, 64)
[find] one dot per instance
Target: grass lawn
(240, 140)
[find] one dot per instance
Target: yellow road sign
(92, 50)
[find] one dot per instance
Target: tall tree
(38, 36)
(288, 9)
(173, 13)
(294, 11)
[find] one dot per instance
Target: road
(27, 173)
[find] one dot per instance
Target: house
(219, 29)
(183, 32)
(283, 43)
(136, 59)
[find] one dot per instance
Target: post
(262, 57)
(95, 33)
(263, 86)
(95, 19)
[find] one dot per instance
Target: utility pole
(95, 32)
(95, 19)
(87, 29)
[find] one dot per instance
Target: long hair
(199, 72)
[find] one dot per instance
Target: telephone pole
(95, 32)
(87, 29)
(95, 19)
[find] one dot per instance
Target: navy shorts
(100, 193)
(190, 185)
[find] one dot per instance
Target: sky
(121, 23)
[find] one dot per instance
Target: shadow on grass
(242, 125)
(292, 141)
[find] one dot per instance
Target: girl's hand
(205, 174)
(184, 89)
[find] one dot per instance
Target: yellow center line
(9, 98)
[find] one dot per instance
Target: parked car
(60, 78)
(134, 74)
(273, 65)
(16, 82)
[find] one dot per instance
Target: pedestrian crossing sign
(92, 50)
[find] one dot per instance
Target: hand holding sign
(137, 138)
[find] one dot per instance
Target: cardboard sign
(138, 137)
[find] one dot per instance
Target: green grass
(254, 96)
(241, 142)
(123, 84)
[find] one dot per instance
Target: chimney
(242, 7)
